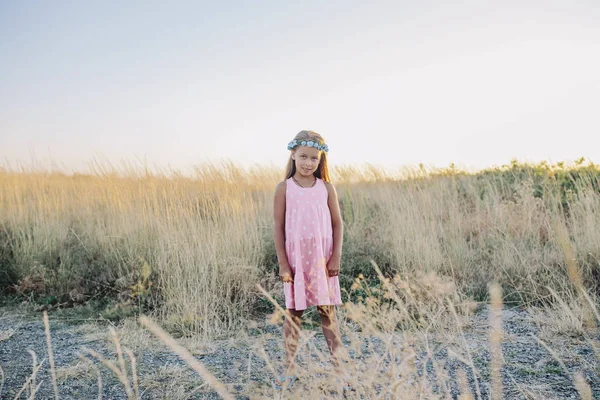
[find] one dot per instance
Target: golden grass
(387, 362)
(496, 340)
(46, 322)
(193, 247)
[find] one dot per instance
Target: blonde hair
(323, 168)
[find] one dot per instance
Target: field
(425, 253)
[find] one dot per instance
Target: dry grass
(380, 361)
(200, 239)
(176, 380)
(194, 248)
(564, 317)
(6, 334)
(76, 371)
(186, 356)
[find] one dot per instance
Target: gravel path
(529, 372)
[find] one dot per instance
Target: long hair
(323, 168)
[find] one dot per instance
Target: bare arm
(337, 226)
(285, 271)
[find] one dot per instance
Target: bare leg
(332, 335)
(291, 335)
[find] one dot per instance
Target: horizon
(129, 168)
(393, 85)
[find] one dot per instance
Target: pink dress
(308, 246)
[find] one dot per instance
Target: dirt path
(529, 371)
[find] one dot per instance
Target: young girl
(308, 239)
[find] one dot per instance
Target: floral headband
(310, 143)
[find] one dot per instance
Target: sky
(390, 83)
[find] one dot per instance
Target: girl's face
(307, 160)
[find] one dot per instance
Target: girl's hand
(286, 274)
(333, 266)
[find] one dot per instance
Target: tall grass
(194, 243)
(192, 248)
(378, 361)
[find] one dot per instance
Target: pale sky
(392, 83)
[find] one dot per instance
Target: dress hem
(313, 305)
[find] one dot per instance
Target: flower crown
(309, 143)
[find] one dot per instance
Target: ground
(248, 362)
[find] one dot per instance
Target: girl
(308, 240)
